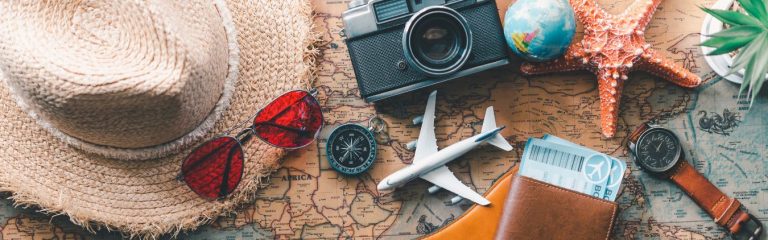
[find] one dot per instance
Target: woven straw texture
(274, 53)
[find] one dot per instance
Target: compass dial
(351, 149)
(658, 150)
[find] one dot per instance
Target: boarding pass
(568, 165)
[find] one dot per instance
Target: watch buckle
(750, 229)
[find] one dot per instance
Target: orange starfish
(613, 46)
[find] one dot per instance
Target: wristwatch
(658, 151)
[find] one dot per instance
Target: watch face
(351, 149)
(658, 150)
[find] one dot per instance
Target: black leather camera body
(398, 46)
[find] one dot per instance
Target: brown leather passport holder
(538, 210)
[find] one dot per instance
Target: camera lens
(437, 41)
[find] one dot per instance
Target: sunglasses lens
(214, 169)
(291, 121)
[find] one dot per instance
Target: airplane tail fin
(489, 124)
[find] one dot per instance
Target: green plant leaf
(756, 90)
(756, 68)
(729, 46)
(745, 55)
(740, 31)
(756, 8)
(746, 78)
(716, 42)
(731, 39)
(759, 71)
(732, 17)
(739, 62)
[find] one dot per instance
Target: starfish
(612, 47)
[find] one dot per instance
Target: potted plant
(738, 52)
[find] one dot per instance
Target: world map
(723, 137)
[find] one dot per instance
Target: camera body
(398, 46)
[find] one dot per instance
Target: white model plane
(429, 163)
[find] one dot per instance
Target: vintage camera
(398, 46)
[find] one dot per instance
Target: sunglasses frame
(245, 135)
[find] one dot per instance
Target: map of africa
(724, 139)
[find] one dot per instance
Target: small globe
(539, 30)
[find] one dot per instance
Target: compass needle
(356, 155)
(346, 154)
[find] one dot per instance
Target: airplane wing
(427, 143)
(444, 178)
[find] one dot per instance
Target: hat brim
(144, 197)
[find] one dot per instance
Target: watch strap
(726, 211)
(635, 135)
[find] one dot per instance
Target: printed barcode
(556, 158)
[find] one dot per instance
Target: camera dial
(437, 41)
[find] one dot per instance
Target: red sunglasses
(215, 168)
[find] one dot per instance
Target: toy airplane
(429, 163)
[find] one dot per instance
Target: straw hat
(100, 101)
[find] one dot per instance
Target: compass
(351, 149)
